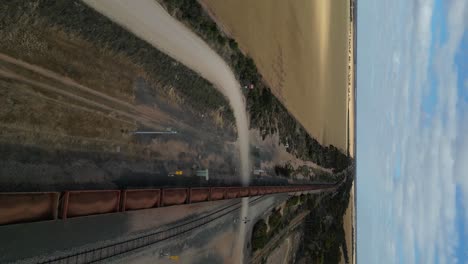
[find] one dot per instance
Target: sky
(412, 131)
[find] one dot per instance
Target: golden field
(301, 50)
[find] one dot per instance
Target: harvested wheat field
(301, 49)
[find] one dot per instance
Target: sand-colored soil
(348, 224)
(351, 125)
(301, 49)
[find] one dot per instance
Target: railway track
(59, 206)
(105, 252)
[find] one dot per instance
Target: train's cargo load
(174, 196)
(140, 199)
(28, 207)
(244, 191)
(81, 203)
(232, 192)
(199, 194)
(217, 193)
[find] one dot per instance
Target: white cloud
(461, 163)
(433, 154)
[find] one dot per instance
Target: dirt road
(59, 133)
(287, 250)
(149, 21)
(80, 93)
(281, 253)
(257, 257)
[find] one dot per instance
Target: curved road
(148, 20)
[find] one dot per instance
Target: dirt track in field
(80, 93)
(57, 133)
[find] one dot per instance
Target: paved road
(215, 243)
(34, 241)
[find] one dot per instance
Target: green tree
(274, 220)
(259, 235)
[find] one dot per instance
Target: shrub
(274, 220)
(292, 201)
(259, 235)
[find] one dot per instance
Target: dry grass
(34, 40)
(217, 117)
(34, 116)
(30, 117)
(174, 97)
(300, 47)
(67, 97)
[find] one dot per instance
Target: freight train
(24, 207)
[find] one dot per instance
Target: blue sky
(412, 131)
